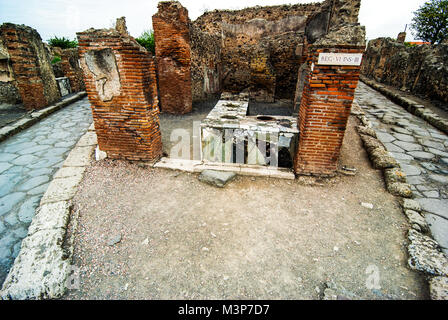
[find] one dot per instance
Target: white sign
(340, 59)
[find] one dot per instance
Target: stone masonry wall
(326, 103)
(8, 87)
(206, 65)
(259, 48)
(120, 79)
(270, 40)
(173, 55)
(420, 70)
(31, 66)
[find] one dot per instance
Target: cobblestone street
(422, 152)
(28, 161)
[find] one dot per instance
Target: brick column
(173, 54)
(324, 110)
(120, 80)
(31, 66)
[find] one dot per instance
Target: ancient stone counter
(229, 135)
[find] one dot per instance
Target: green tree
(146, 40)
(430, 21)
(63, 42)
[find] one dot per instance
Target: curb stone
(43, 265)
(424, 253)
(439, 288)
(35, 116)
(410, 105)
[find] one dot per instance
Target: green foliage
(63, 43)
(410, 45)
(146, 40)
(56, 59)
(430, 21)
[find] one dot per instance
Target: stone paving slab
(43, 264)
(435, 206)
(410, 105)
(28, 160)
(422, 159)
(439, 226)
(35, 116)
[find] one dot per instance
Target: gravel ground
(258, 238)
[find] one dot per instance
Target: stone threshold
(410, 105)
(43, 266)
(197, 166)
(35, 116)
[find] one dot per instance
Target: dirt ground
(258, 238)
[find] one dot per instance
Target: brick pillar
(31, 66)
(120, 80)
(173, 54)
(324, 110)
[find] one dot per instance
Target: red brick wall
(71, 69)
(127, 125)
(324, 110)
(31, 66)
(173, 54)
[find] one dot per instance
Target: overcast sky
(382, 18)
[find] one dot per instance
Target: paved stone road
(422, 152)
(28, 161)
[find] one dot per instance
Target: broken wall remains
(206, 65)
(420, 70)
(31, 67)
(72, 70)
(9, 93)
(173, 56)
(120, 80)
(262, 47)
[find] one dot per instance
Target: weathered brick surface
(324, 110)
(72, 70)
(30, 65)
(173, 54)
(120, 79)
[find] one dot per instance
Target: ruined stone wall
(31, 66)
(9, 92)
(262, 47)
(259, 47)
(206, 65)
(71, 69)
(120, 79)
(326, 102)
(173, 55)
(421, 70)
